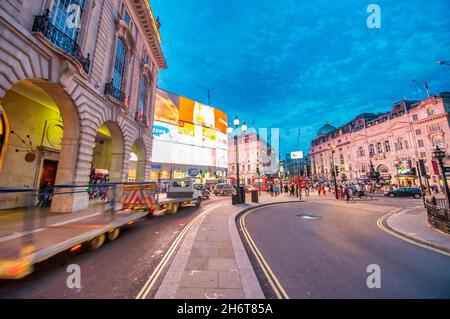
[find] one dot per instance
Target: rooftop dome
(326, 129)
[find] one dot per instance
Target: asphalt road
(328, 257)
(117, 270)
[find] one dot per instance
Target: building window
(387, 146)
(423, 154)
(361, 152)
(142, 96)
(371, 150)
(430, 111)
(418, 131)
(232, 167)
(363, 168)
(60, 14)
(126, 18)
(420, 143)
(119, 65)
(249, 167)
(402, 144)
(434, 128)
(438, 140)
(341, 159)
(379, 148)
(415, 117)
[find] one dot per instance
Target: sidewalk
(413, 223)
(212, 262)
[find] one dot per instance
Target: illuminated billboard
(167, 107)
(297, 155)
(174, 109)
(187, 132)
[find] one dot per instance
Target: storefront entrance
(48, 175)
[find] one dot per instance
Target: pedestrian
(276, 190)
(306, 190)
(319, 189)
(292, 190)
(271, 190)
(286, 189)
(347, 193)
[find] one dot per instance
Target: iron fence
(438, 214)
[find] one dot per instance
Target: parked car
(404, 192)
(223, 189)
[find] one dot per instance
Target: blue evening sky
(296, 64)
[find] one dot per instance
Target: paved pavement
(328, 257)
(212, 262)
(413, 223)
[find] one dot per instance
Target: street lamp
(440, 155)
(332, 148)
(244, 129)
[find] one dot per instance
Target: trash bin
(233, 199)
(242, 195)
(254, 196)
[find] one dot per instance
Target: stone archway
(136, 171)
(108, 156)
(44, 121)
(382, 168)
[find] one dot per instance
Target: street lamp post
(334, 173)
(440, 155)
(236, 138)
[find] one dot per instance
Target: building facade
(390, 143)
(255, 153)
(295, 167)
(77, 86)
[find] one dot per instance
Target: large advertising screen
(167, 107)
(188, 132)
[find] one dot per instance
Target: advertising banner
(221, 120)
(165, 132)
(167, 107)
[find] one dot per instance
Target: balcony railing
(60, 39)
(114, 92)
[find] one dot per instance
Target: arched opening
(136, 171)
(42, 146)
(107, 160)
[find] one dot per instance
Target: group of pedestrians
(289, 189)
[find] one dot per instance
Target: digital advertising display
(188, 132)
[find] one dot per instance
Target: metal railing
(114, 92)
(438, 214)
(60, 39)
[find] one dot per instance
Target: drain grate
(309, 217)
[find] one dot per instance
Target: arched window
(379, 148)
(387, 146)
(64, 13)
(430, 111)
(119, 65)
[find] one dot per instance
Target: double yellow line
(381, 226)
(172, 249)
(271, 278)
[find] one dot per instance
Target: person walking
(286, 189)
(347, 193)
(271, 189)
(306, 190)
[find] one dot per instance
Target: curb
(414, 239)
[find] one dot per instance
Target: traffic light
(337, 170)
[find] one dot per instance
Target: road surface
(117, 270)
(328, 257)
